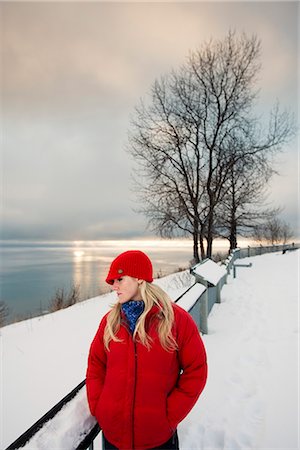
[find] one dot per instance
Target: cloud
(66, 55)
(73, 73)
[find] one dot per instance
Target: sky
(71, 76)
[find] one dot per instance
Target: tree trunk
(195, 247)
(233, 241)
(209, 236)
(209, 246)
(203, 254)
(232, 236)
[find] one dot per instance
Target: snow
(67, 429)
(190, 298)
(251, 397)
(210, 271)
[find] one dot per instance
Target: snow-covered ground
(251, 400)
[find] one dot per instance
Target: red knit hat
(133, 263)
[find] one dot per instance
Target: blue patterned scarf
(132, 310)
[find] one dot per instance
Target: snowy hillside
(251, 398)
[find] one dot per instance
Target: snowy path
(251, 399)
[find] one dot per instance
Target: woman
(147, 363)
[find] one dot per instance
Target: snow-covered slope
(251, 398)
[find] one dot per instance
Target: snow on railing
(212, 277)
(69, 424)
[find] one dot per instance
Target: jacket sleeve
(191, 381)
(96, 368)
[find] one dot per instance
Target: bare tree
(244, 204)
(273, 231)
(287, 232)
(184, 138)
(169, 181)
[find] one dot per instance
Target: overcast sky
(72, 73)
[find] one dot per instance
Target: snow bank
(176, 284)
(67, 429)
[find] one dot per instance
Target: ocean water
(31, 272)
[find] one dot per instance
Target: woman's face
(126, 288)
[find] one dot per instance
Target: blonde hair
(151, 295)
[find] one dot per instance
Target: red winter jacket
(139, 396)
